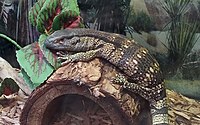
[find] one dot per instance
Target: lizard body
(144, 75)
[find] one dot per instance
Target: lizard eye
(59, 41)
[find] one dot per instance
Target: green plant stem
(12, 41)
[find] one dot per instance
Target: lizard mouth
(59, 44)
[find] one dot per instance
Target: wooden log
(82, 93)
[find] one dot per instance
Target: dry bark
(91, 83)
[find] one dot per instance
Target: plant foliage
(8, 86)
(36, 60)
(106, 15)
(10, 40)
(33, 62)
(175, 8)
(49, 56)
(182, 39)
(182, 32)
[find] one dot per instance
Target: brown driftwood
(82, 94)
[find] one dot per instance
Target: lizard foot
(122, 80)
(61, 54)
(66, 59)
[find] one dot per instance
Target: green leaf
(34, 11)
(64, 18)
(70, 5)
(32, 60)
(69, 13)
(27, 79)
(50, 57)
(8, 86)
(45, 15)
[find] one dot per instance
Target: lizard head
(61, 40)
(72, 40)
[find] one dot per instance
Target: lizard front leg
(81, 56)
(158, 107)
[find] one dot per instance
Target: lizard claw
(60, 54)
(65, 60)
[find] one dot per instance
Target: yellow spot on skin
(151, 69)
(128, 41)
(156, 65)
(96, 40)
(122, 53)
(144, 51)
(125, 46)
(148, 76)
(127, 62)
(139, 56)
(135, 61)
(116, 34)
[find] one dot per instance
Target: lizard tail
(159, 111)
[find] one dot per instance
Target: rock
(191, 67)
(195, 9)
(152, 40)
(157, 13)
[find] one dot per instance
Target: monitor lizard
(142, 70)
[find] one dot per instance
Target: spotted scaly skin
(144, 75)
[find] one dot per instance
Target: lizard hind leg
(80, 56)
(122, 80)
(158, 108)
